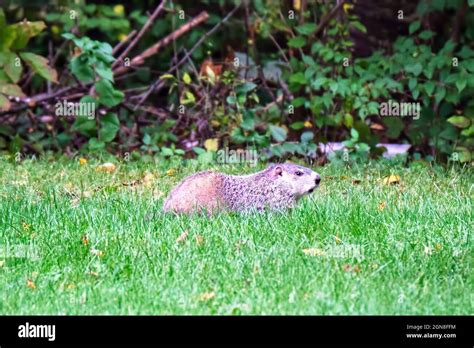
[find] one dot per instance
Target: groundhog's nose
(318, 179)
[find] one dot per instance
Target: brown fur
(198, 190)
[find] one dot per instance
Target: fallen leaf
(438, 247)
(308, 124)
(199, 239)
(25, 226)
(381, 206)
(377, 126)
(106, 168)
(82, 161)
(182, 237)
(346, 267)
(97, 252)
(94, 274)
(171, 172)
(30, 284)
(391, 179)
(428, 250)
(314, 252)
(338, 240)
(85, 240)
(148, 180)
(207, 296)
(211, 144)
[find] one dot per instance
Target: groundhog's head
(297, 179)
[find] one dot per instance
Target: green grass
(415, 253)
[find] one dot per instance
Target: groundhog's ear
(278, 170)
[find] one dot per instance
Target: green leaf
(429, 87)
(7, 37)
(440, 94)
(394, 127)
(414, 27)
(110, 127)
(426, 34)
(95, 144)
(297, 125)
(5, 104)
(306, 137)
(278, 133)
(12, 65)
(461, 83)
(412, 84)
(306, 29)
(186, 78)
(11, 90)
(108, 96)
(459, 121)
(415, 69)
(40, 65)
(85, 126)
(359, 26)
(298, 78)
(354, 133)
(25, 30)
(81, 68)
(297, 42)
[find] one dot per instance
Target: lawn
(77, 241)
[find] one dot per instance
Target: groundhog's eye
(299, 173)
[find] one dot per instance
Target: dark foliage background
(278, 76)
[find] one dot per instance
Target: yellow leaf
(308, 124)
(297, 5)
(210, 74)
(382, 205)
(346, 7)
(207, 296)
(85, 240)
(391, 179)
(338, 240)
(118, 9)
(171, 172)
(148, 180)
(106, 168)
(30, 284)
(199, 239)
(82, 161)
(186, 78)
(166, 76)
(314, 252)
(212, 144)
(97, 252)
(122, 37)
(182, 237)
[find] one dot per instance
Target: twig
(325, 20)
(142, 31)
(158, 82)
(119, 46)
(140, 59)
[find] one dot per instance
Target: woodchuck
(277, 187)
